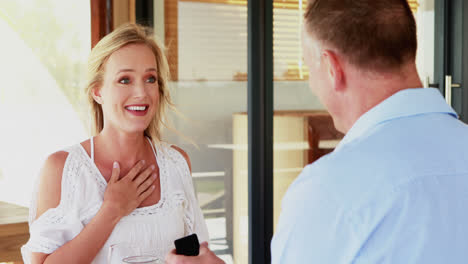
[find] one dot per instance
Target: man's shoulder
(330, 180)
(384, 158)
(348, 177)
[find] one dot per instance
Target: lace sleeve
(194, 221)
(57, 225)
(51, 230)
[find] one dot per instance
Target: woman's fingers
(146, 193)
(136, 186)
(204, 247)
(144, 175)
(204, 244)
(135, 170)
(171, 257)
(115, 172)
(146, 184)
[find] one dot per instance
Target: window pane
(44, 48)
(287, 50)
(207, 53)
(212, 46)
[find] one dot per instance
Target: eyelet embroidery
(164, 155)
(78, 164)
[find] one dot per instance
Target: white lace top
(177, 213)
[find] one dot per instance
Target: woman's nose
(139, 89)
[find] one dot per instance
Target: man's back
(394, 191)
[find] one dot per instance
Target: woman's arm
(121, 198)
(86, 245)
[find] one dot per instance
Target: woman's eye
(124, 80)
(151, 79)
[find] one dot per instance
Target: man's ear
(96, 92)
(334, 69)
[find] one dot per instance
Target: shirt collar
(407, 102)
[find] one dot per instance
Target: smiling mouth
(137, 108)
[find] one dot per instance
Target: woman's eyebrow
(131, 70)
(125, 70)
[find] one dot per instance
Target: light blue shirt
(395, 190)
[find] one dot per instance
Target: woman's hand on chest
(134, 189)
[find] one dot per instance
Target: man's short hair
(376, 35)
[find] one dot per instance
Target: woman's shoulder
(51, 178)
(55, 162)
(51, 181)
(184, 155)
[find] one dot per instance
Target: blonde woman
(123, 184)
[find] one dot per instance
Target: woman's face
(129, 94)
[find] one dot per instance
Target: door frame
(451, 51)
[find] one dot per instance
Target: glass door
(206, 46)
(207, 49)
(450, 59)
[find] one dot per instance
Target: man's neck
(372, 89)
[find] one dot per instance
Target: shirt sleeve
(194, 215)
(52, 230)
(56, 226)
(194, 220)
(312, 228)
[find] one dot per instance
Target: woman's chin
(136, 129)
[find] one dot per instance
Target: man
(395, 190)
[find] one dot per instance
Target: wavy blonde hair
(120, 37)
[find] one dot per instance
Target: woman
(124, 185)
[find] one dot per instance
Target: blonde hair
(120, 37)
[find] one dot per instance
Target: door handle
(427, 83)
(448, 88)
